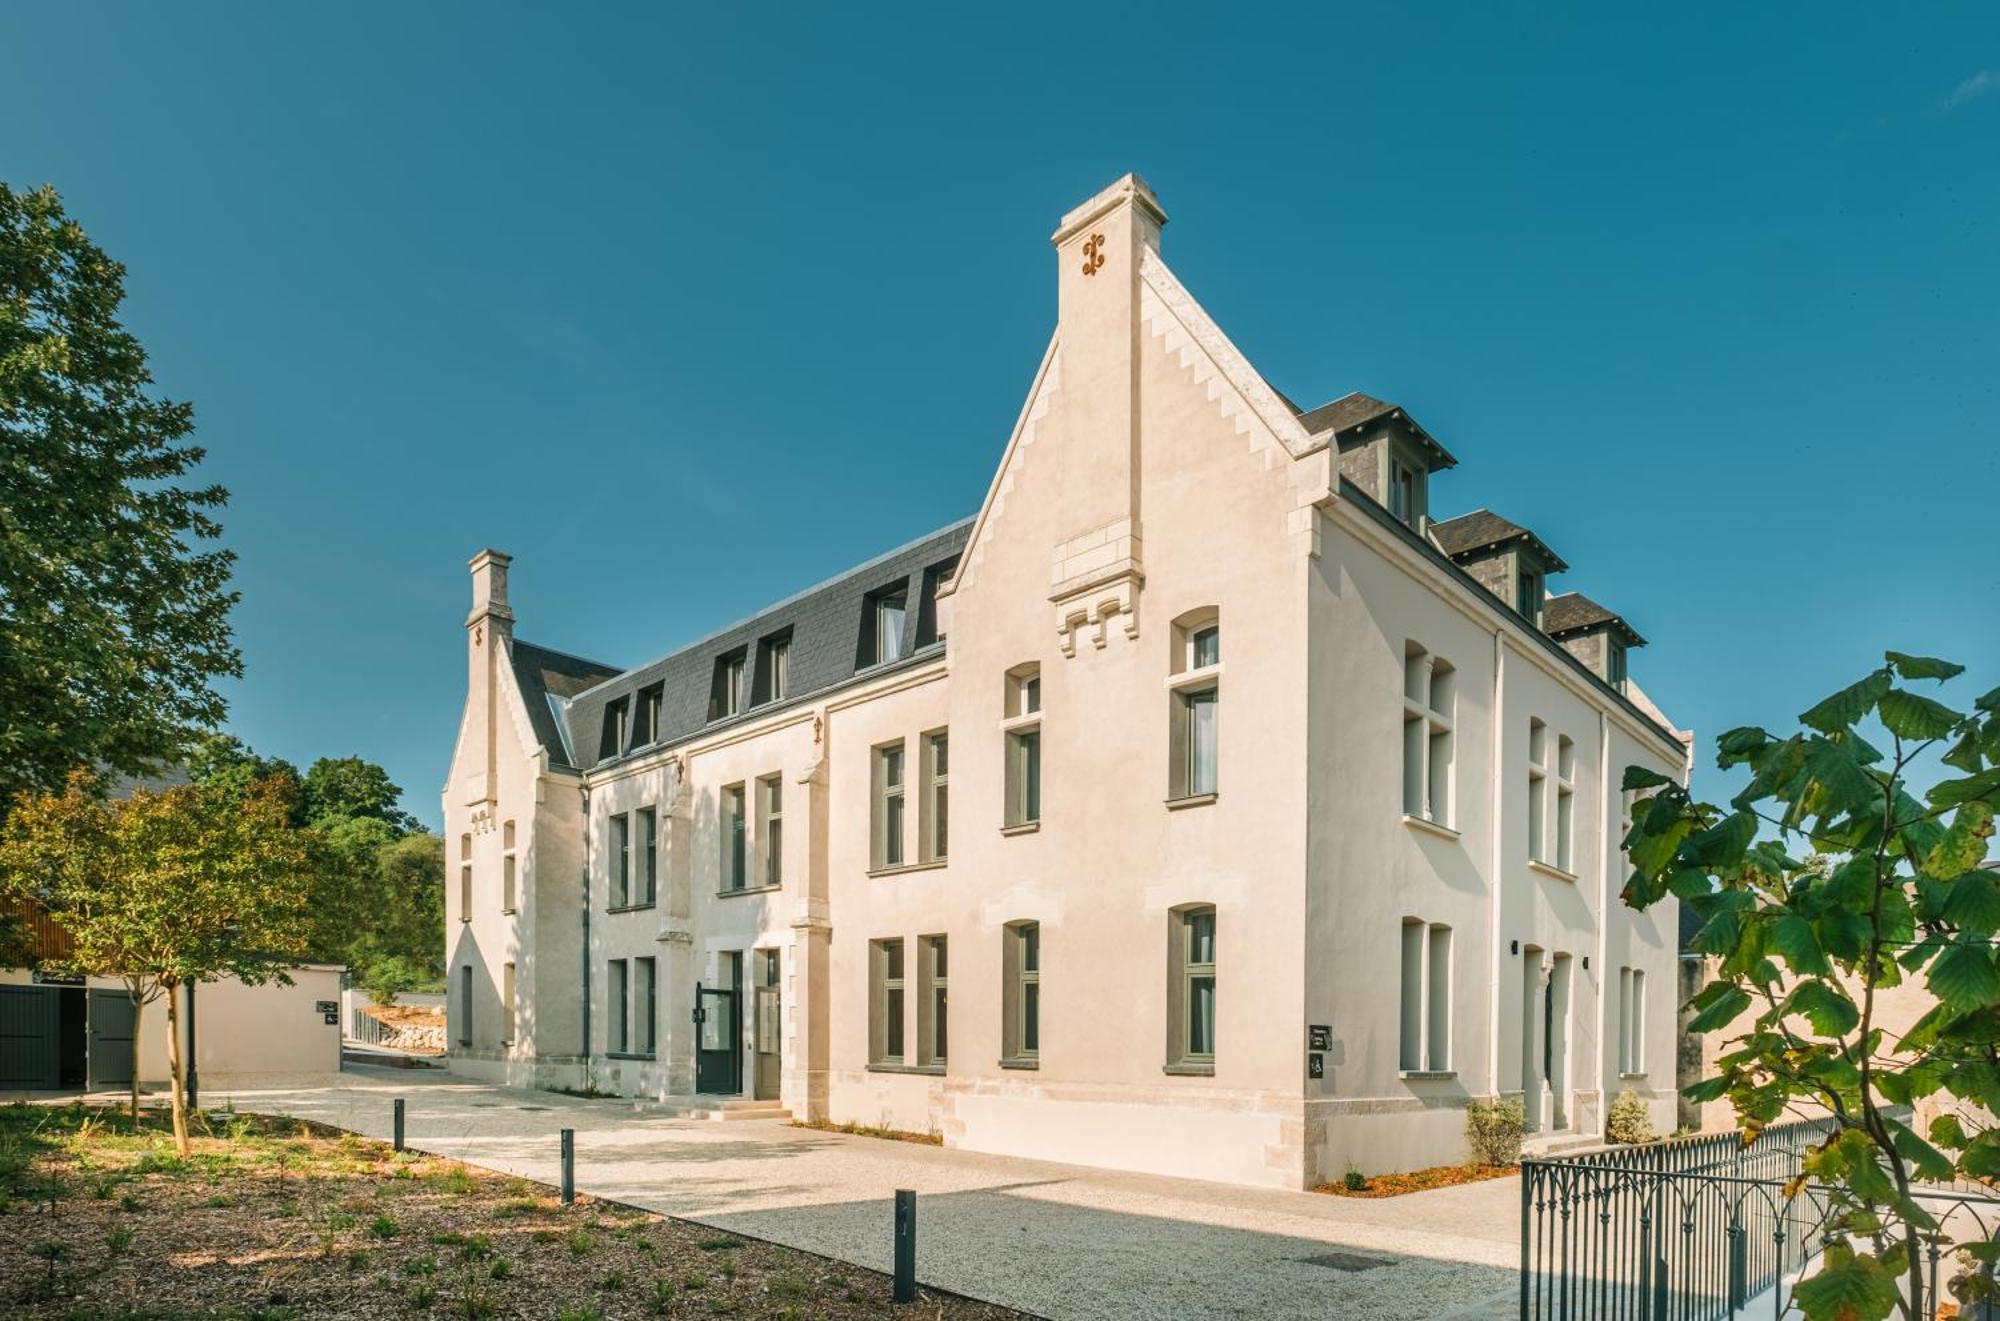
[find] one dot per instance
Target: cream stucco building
(1199, 805)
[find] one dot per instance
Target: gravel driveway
(1061, 1241)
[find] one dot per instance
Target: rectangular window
(509, 896)
(646, 724)
(928, 631)
(1021, 998)
(882, 617)
(771, 829)
(774, 658)
(886, 1004)
(649, 855)
(1024, 776)
(725, 689)
(1426, 998)
(1631, 1020)
(1196, 755)
(465, 892)
(1430, 689)
(1565, 805)
(888, 814)
(617, 1007)
(1614, 663)
(465, 1005)
(506, 1004)
(1538, 791)
(932, 984)
(734, 876)
(619, 858)
(616, 728)
(1205, 648)
(934, 829)
(1528, 595)
(1406, 492)
(1192, 956)
(644, 999)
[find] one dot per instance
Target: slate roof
(825, 625)
(1573, 612)
(542, 674)
(1351, 412)
(1482, 529)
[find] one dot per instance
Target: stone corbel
(1090, 609)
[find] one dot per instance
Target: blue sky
(730, 298)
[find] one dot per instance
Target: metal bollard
(399, 1123)
(568, 1166)
(906, 1246)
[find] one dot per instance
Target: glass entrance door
(716, 1057)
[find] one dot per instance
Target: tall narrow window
(1195, 690)
(934, 812)
(509, 898)
(1631, 1021)
(1538, 791)
(506, 1004)
(1021, 994)
(888, 814)
(617, 727)
(1430, 688)
(617, 1007)
(933, 973)
(619, 858)
(886, 1004)
(646, 720)
(1565, 805)
(649, 855)
(771, 829)
(774, 660)
(1426, 1000)
(465, 1005)
(465, 878)
(1021, 730)
(1192, 960)
(644, 998)
(725, 690)
(733, 872)
(1405, 492)
(1528, 595)
(1614, 663)
(882, 617)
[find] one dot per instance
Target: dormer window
(1407, 494)
(1614, 663)
(617, 716)
(882, 616)
(1528, 590)
(927, 609)
(646, 725)
(774, 655)
(725, 691)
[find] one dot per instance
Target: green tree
(114, 609)
(350, 789)
(161, 890)
(1891, 891)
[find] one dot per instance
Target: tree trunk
(177, 1092)
(138, 1006)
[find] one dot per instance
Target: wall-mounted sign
(1315, 1065)
(51, 979)
(326, 1006)
(332, 1019)
(1321, 1038)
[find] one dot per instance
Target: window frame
(1021, 750)
(1430, 737)
(1565, 824)
(1021, 1012)
(1186, 972)
(617, 1006)
(733, 834)
(645, 1008)
(1194, 686)
(508, 987)
(618, 860)
(887, 1002)
(1425, 1037)
(934, 804)
(888, 818)
(509, 870)
(726, 691)
(933, 1002)
(771, 830)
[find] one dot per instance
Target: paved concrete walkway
(1060, 1241)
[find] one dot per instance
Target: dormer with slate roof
(1507, 559)
(1383, 451)
(1593, 635)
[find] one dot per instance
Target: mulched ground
(274, 1219)
(1417, 1181)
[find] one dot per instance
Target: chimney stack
(489, 590)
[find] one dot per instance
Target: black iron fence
(1694, 1229)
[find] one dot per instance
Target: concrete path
(1060, 1241)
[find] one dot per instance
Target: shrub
(1629, 1120)
(1493, 1130)
(1354, 1180)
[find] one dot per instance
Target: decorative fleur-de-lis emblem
(478, 635)
(1093, 254)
